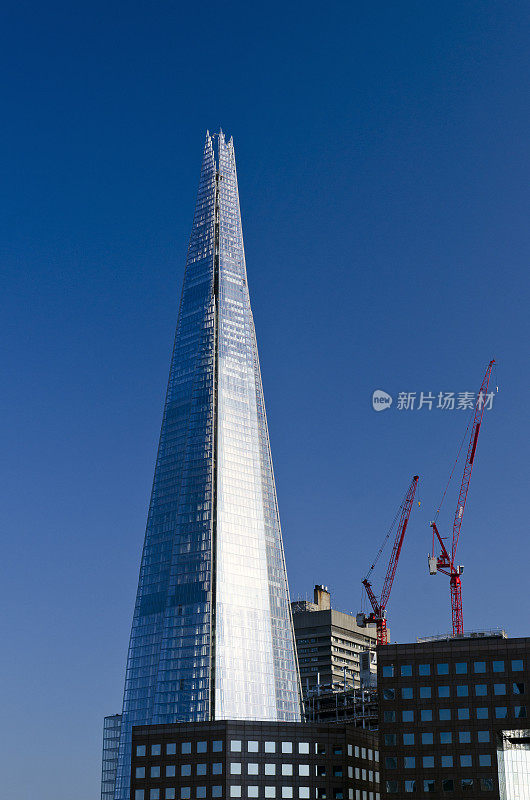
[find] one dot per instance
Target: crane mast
(378, 615)
(445, 562)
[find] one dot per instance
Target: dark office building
(247, 760)
(453, 717)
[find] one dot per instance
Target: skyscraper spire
(212, 633)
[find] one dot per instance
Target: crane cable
(385, 540)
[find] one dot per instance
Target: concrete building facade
(328, 643)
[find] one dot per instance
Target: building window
(462, 690)
(337, 750)
(443, 691)
(252, 769)
(461, 667)
(429, 785)
(252, 791)
(499, 688)
(270, 747)
(391, 762)
(235, 745)
(448, 785)
(320, 749)
(235, 791)
(390, 739)
(235, 768)
(426, 715)
(467, 784)
(391, 787)
(350, 750)
(154, 794)
(481, 689)
(217, 746)
(483, 736)
(287, 792)
(139, 794)
(155, 772)
(156, 749)
(498, 666)
(253, 746)
(201, 769)
(337, 772)
(427, 738)
(303, 769)
(287, 747)
(486, 784)
(463, 713)
(466, 761)
(501, 712)
(428, 762)
(442, 669)
(410, 786)
(270, 791)
(407, 693)
(519, 712)
(482, 713)
(201, 792)
(287, 769)
(479, 666)
(407, 716)
(464, 737)
(388, 671)
(185, 769)
(303, 792)
(217, 791)
(389, 716)
(444, 714)
(484, 760)
(389, 694)
(517, 664)
(171, 749)
(409, 762)
(170, 771)
(185, 748)
(140, 772)
(217, 768)
(518, 688)
(408, 738)
(406, 670)
(185, 793)
(425, 692)
(270, 769)
(424, 669)
(446, 737)
(170, 794)
(303, 748)
(140, 751)
(447, 761)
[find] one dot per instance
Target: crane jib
(472, 456)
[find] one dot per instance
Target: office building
(247, 760)
(212, 635)
(329, 643)
(454, 717)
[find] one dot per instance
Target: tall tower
(212, 634)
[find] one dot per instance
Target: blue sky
(384, 178)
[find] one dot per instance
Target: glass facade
(513, 756)
(212, 632)
(111, 743)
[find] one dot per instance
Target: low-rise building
(454, 717)
(247, 760)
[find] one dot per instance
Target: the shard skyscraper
(212, 634)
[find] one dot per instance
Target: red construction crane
(446, 562)
(378, 615)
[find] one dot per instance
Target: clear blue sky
(384, 177)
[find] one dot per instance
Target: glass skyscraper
(212, 634)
